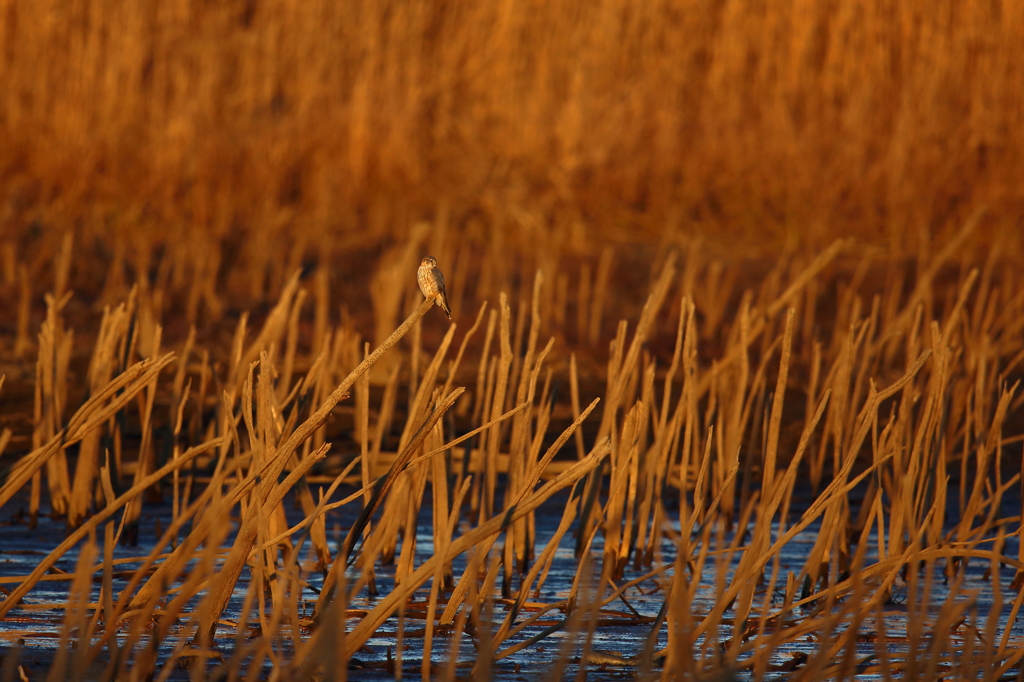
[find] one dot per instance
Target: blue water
(39, 626)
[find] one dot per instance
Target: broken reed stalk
(114, 327)
(489, 529)
(51, 398)
(246, 537)
(145, 461)
(44, 565)
(403, 507)
(946, 404)
(89, 416)
(467, 580)
(503, 365)
(380, 492)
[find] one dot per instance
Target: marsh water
(618, 642)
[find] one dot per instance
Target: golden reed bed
(719, 273)
(883, 386)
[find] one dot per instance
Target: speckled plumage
(431, 283)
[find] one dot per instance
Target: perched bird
(431, 283)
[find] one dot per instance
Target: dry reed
(753, 346)
(906, 418)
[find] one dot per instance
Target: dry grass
(889, 426)
(725, 276)
(774, 121)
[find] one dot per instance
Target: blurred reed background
(297, 122)
(806, 216)
(216, 147)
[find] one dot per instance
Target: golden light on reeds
(738, 318)
(894, 401)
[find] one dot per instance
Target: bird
(431, 283)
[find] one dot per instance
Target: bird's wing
(439, 278)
